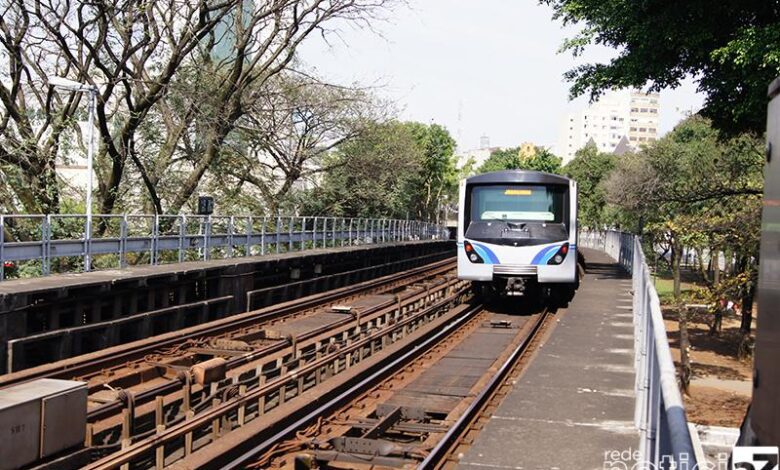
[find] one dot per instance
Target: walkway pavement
(573, 408)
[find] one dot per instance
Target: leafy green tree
(174, 81)
(501, 159)
(590, 168)
(698, 190)
(439, 174)
(512, 159)
(394, 169)
(732, 47)
(293, 124)
(373, 175)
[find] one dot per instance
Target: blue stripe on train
(486, 253)
(540, 257)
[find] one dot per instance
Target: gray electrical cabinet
(762, 424)
(39, 419)
(765, 410)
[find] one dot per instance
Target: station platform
(573, 408)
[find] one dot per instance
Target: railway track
(265, 403)
(94, 367)
(395, 372)
(139, 395)
(424, 414)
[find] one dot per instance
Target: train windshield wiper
(496, 219)
(510, 225)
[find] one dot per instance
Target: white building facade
(628, 113)
(476, 156)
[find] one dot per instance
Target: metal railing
(659, 415)
(157, 239)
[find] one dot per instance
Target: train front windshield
(518, 203)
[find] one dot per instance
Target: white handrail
(659, 413)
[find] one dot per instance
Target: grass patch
(665, 288)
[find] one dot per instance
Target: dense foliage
(514, 159)
(183, 89)
(396, 169)
(731, 47)
(589, 169)
(696, 190)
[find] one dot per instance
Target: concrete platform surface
(574, 405)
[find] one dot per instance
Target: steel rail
(447, 442)
(134, 352)
(370, 381)
(202, 420)
(104, 410)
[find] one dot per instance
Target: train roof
(518, 176)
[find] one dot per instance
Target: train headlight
(472, 253)
(560, 255)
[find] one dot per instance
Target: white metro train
(517, 234)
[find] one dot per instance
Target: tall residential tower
(628, 113)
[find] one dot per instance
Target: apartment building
(616, 114)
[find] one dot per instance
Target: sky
(487, 67)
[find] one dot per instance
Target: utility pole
(70, 85)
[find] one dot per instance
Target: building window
(633, 129)
(643, 110)
(642, 129)
(652, 129)
(632, 138)
(634, 110)
(654, 111)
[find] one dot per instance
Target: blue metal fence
(156, 239)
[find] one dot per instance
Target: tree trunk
(702, 267)
(729, 265)
(38, 189)
(190, 184)
(676, 259)
(745, 327)
(45, 190)
(685, 361)
(747, 310)
(715, 260)
(111, 192)
(214, 138)
(747, 297)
